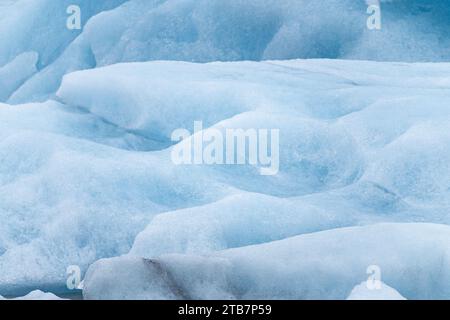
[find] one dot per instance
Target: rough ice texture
(204, 30)
(90, 175)
(85, 166)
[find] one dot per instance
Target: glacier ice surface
(85, 148)
(89, 175)
(413, 258)
(202, 30)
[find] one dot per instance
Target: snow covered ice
(87, 178)
(362, 292)
(37, 295)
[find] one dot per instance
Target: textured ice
(85, 148)
(38, 27)
(203, 30)
(413, 258)
(89, 174)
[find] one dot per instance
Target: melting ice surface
(86, 176)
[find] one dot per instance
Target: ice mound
(362, 292)
(235, 221)
(69, 202)
(412, 257)
(38, 295)
(340, 144)
(89, 174)
(203, 30)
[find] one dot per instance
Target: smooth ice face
(40, 26)
(364, 292)
(323, 265)
(15, 73)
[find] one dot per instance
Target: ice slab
(414, 258)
